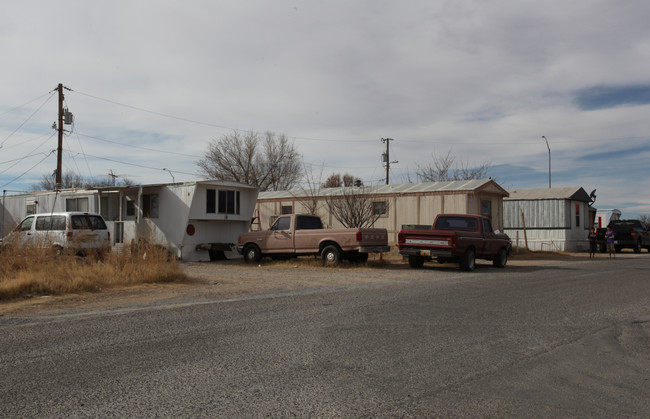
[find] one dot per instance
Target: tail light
(358, 236)
(400, 238)
(632, 233)
(69, 235)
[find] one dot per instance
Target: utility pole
(60, 146)
(386, 157)
(549, 161)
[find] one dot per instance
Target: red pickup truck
(294, 235)
(455, 238)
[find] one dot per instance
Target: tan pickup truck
(296, 235)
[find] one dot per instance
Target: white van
(78, 231)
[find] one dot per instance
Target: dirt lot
(234, 278)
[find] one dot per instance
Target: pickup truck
(631, 234)
(455, 238)
(296, 234)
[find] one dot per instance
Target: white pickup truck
(295, 235)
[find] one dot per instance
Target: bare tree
(442, 169)
(312, 190)
(271, 162)
(353, 208)
(645, 219)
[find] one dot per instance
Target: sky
(152, 84)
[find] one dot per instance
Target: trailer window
(211, 201)
(76, 204)
(379, 208)
(228, 202)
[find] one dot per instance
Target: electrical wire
(27, 171)
(29, 155)
(30, 117)
(135, 164)
(135, 146)
(24, 104)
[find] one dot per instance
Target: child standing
(593, 246)
(611, 249)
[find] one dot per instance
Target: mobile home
(196, 221)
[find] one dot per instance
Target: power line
(29, 155)
(24, 104)
(209, 124)
(30, 117)
(27, 171)
(132, 164)
(135, 146)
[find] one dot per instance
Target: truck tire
(637, 247)
(252, 253)
(416, 262)
(501, 258)
(331, 255)
(468, 260)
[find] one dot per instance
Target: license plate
(615, 241)
(425, 253)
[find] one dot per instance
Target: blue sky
(153, 83)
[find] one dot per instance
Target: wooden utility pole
(59, 153)
(387, 157)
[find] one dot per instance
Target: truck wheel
(501, 258)
(331, 255)
(252, 253)
(468, 261)
(637, 247)
(416, 262)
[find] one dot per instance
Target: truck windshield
(456, 223)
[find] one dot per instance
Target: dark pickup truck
(455, 238)
(631, 234)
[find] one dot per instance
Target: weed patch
(27, 271)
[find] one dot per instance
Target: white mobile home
(555, 219)
(197, 221)
(604, 216)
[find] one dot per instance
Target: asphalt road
(568, 338)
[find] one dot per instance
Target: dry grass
(29, 271)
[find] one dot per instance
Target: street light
(170, 172)
(549, 161)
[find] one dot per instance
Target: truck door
(491, 245)
(281, 238)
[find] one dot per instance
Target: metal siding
(538, 214)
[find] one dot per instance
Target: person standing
(593, 245)
(609, 236)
